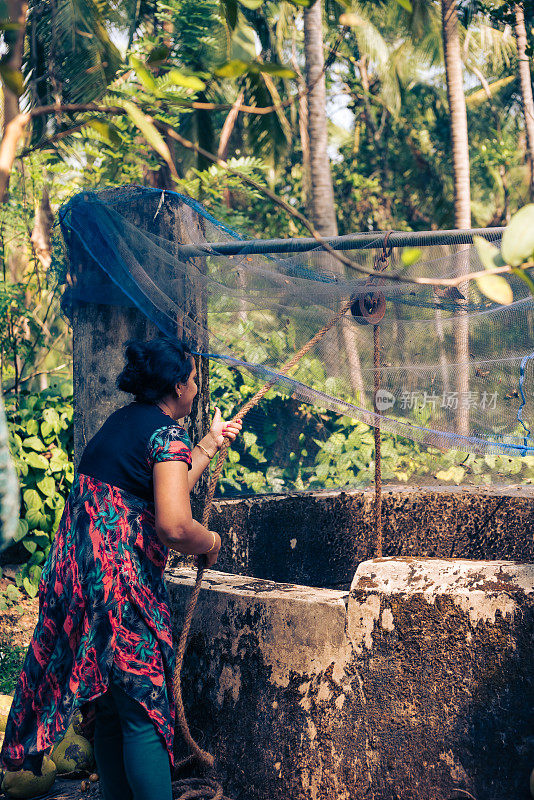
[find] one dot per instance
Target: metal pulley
(368, 308)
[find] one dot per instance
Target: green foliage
(9, 597)
(11, 661)
(517, 250)
(41, 440)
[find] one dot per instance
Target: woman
(104, 631)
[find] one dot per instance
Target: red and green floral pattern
(103, 615)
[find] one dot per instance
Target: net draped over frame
(456, 369)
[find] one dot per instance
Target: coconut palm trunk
(526, 86)
(462, 194)
(322, 191)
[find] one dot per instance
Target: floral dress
(103, 604)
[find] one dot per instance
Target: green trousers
(131, 758)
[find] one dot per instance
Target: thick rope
(381, 263)
(378, 462)
(206, 789)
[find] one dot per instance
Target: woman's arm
(201, 456)
(207, 448)
(175, 525)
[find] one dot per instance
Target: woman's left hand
(220, 429)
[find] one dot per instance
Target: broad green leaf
(480, 96)
(406, 5)
(253, 5)
(34, 443)
(144, 75)
(106, 132)
(30, 545)
(276, 69)
(42, 539)
(411, 255)
(32, 427)
(232, 69)
(34, 518)
(188, 81)
(518, 238)
(454, 474)
(46, 429)
(47, 486)
(13, 79)
(30, 587)
(32, 499)
(496, 288)
(13, 593)
(22, 530)
(151, 134)
(36, 461)
(488, 253)
(37, 558)
(35, 573)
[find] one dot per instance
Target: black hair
(154, 368)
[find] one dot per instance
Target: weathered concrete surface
(416, 683)
(319, 539)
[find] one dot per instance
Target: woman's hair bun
(153, 368)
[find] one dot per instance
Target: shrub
(41, 440)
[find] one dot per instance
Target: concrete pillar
(100, 330)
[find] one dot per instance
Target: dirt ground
(18, 622)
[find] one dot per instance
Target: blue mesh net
(455, 368)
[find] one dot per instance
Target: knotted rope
(209, 789)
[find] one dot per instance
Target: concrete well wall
(415, 685)
(319, 539)
(314, 672)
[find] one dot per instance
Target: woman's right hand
(213, 554)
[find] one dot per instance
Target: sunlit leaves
(411, 255)
(350, 20)
(144, 75)
(149, 131)
(178, 78)
(13, 79)
(236, 68)
(518, 238)
(495, 287)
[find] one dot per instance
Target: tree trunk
(526, 87)
(458, 114)
(462, 193)
(322, 199)
(322, 207)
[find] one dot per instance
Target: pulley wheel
(369, 308)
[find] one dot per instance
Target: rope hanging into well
(208, 789)
(381, 263)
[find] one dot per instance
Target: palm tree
(322, 195)
(526, 85)
(455, 92)
(322, 205)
